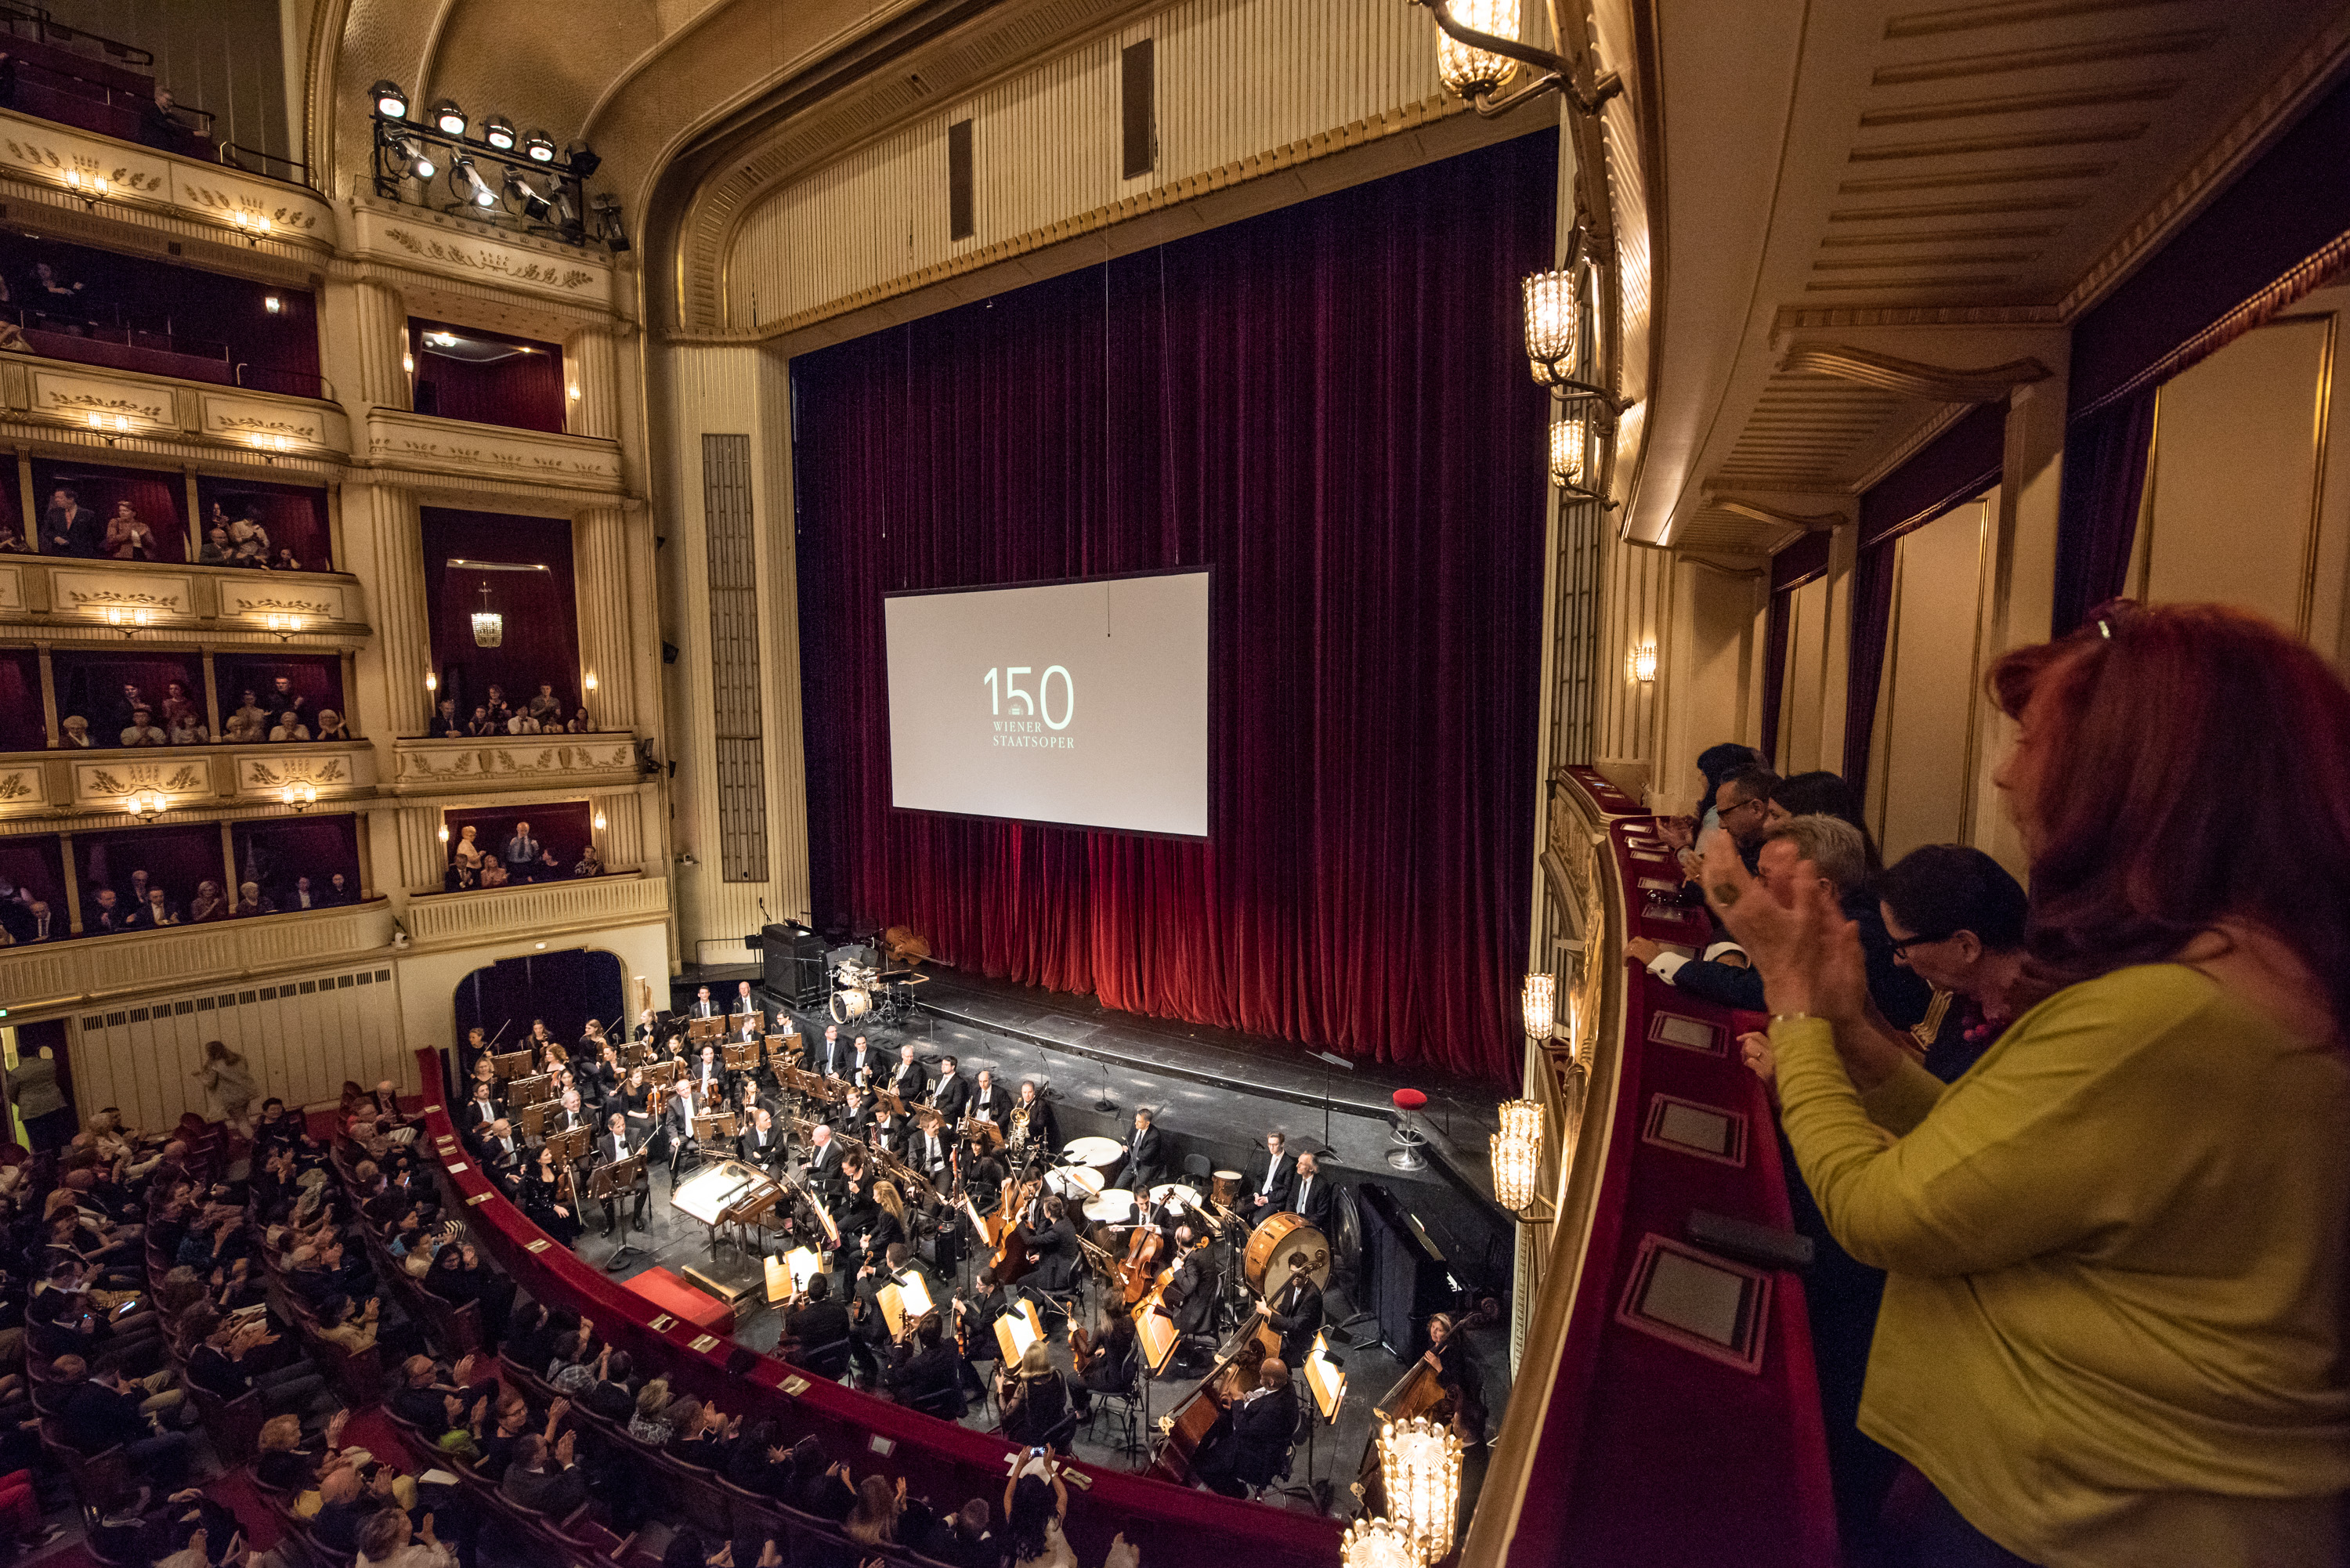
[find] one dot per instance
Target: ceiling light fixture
(391, 100)
(538, 147)
(499, 133)
(489, 625)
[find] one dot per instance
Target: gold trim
(1985, 523)
(2306, 609)
(2142, 547)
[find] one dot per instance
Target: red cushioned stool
(1406, 1155)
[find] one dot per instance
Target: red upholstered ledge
(938, 1460)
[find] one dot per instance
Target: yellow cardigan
(2112, 1333)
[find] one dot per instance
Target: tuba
(1020, 1128)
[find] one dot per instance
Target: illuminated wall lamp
(127, 620)
(1479, 51)
(1539, 1002)
(253, 226)
(110, 426)
(432, 683)
(1379, 1543)
(285, 626)
(587, 682)
(89, 187)
(1517, 1177)
(1419, 1461)
(600, 822)
(300, 796)
(444, 833)
(1644, 663)
(146, 805)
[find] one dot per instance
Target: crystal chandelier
(1379, 1543)
(489, 625)
(1419, 1463)
(1515, 1163)
(1540, 1003)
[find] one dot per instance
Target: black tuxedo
(1191, 1295)
(891, 1137)
(1297, 1318)
(702, 1009)
(1315, 1196)
(475, 1119)
(823, 1170)
(501, 1153)
(952, 1097)
(1044, 1126)
(605, 1149)
(1264, 1423)
(910, 1082)
(760, 1149)
(1273, 1177)
(995, 1104)
(831, 1057)
(1146, 1160)
(865, 1061)
(929, 1152)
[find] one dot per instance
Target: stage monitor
(1080, 704)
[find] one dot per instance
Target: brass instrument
(1019, 1140)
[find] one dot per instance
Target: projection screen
(1082, 703)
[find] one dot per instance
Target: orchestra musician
(749, 1033)
(853, 1115)
(1262, 1424)
(1297, 1313)
(1035, 1400)
(746, 1098)
(1313, 1197)
(882, 1228)
(614, 1144)
(831, 1058)
(822, 1172)
(571, 1115)
(646, 1028)
(547, 1198)
(1146, 1155)
(600, 1077)
(708, 1076)
(684, 1103)
(815, 1321)
(932, 1151)
(951, 1094)
(500, 1152)
(759, 1143)
(1269, 1180)
(1105, 1365)
(1190, 1297)
(475, 1053)
(887, 1131)
(743, 1001)
(702, 1006)
(989, 1103)
(637, 1100)
(925, 1370)
(1042, 1126)
(864, 1061)
(1449, 1356)
(480, 1111)
(1054, 1248)
(976, 1311)
(911, 1081)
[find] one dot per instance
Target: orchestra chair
(1199, 1171)
(947, 1403)
(1130, 1406)
(828, 1361)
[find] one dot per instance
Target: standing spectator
(67, 529)
(177, 704)
(127, 537)
(547, 707)
(228, 1083)
(521, 853)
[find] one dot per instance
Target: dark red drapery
(522, 392)
(158, 498)
(294, 515)
(541, 627)
(21, 726)
(275, 851)
(317, 678)
(1329, 406)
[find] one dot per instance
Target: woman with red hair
(2114, 1323)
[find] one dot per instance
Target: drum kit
(862, 993)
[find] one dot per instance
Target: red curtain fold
(541, 615)
(90, 684)
(294, 515)
(275, 852)
(524, 392)
(22, 727)
(1329, 406)
(176, 859)
(159, 499)
(36, 862)
(2097, 504)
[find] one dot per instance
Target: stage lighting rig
(495, 173)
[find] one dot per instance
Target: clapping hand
(1808, 953)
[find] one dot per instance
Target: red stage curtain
(90, 684)
(22, 728)
(159, 499)
(294, 516)
(1329, 406)
(542, 618)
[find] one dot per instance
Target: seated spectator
(522, 724)
(159, 122)
(289, 727)
(107, 913)
(217, 550)
(581, 724)
(127, 537)
(614, 1395)
(493, 875)
(99, 1411)
(1035, 1502)
(384, 1541)
(187, 731)
(74, 731)
(331, 726)
(227, 1363)
(141, 730)
(546, 1477)
(590, 864)
(208, 904)
(250, 901)
(496, 707)
(548, 868)
(248, 722)
(158, 912)
(445, 723)
(284, 561)
(339, 891)
(283, 1465)
(483, 724)
(649, 1425)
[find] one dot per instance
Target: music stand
(570, 1147)
(609, 1183)
(510, 1064)
(534, 1120)
(741, 1055)
(1326, 1377)
(635, 1054)
(697, 1030)
(665, 1071)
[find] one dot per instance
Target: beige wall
(1927, 700)
(2243, 505)
(1716, 654)
(1803, 698)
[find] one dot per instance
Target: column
(591, 384)
(388, 548)
(384, 379)
(2022, 594)
(600, 557)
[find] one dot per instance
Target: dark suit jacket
(997, 1104)
(1191, 1294)
(929, 1373)
(817, 1324)
(551, 1492)
(910, 1081)
(866, 1060)
(830, 1057)
(952, 1097)
(1316, 1200)
(1276, 1184)
(1146, 1161)
(756, 1152)
(1297, 1318)
(1262, 1428)
(603, 1150)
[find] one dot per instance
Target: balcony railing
(189, 778)
(90, 969)
(461, 918)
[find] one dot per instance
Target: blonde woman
(229, 1082)
(468, 855)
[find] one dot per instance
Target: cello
(1013, 1260)
(1143, 1250)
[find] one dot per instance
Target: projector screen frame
(1214, 745)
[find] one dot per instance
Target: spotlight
(470, 185)
(412, 152)
(539, 147)
(608, 222)
(448, 118)
(390, 101)
(535, 206)
(583, 159)
(499, 133)
(567, 212)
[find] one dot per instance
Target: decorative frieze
(422, 767)
(421, 443)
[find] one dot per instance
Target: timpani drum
(1114, 1207)
(1184, 1197)
(1078, 1183)
(1226, 1188)
(1100, 1153)
(1271, 1246)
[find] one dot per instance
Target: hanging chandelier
(489, 625)
(1419, 1462)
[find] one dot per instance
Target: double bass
(1140, 1265)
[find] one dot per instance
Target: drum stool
(1406, 1154)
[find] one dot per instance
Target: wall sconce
(253, 226)
(408, 364)
(587, 682)
(1644, 663)
(129, 619)
(489, 625)
(108, 429)
(1479, 51)
(90, 187)
(444, 833)
(1379, 1543)
(432, 683)
(271, 445)
(146, 805)
(284, 625)
(1420, 1463)
(600, 822)
(1516, 1173)
(300, 798)
(1539, 1002)
(572, 392)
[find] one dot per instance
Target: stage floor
(678, 1243)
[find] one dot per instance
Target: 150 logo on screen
(1025, 720)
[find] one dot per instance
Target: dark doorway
(565, 988)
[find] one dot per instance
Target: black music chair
(947, 1403)
(1129, 1405)
(830, 1360)
(1199, 1168)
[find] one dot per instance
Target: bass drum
(1271, 1246)
(851, 1002)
